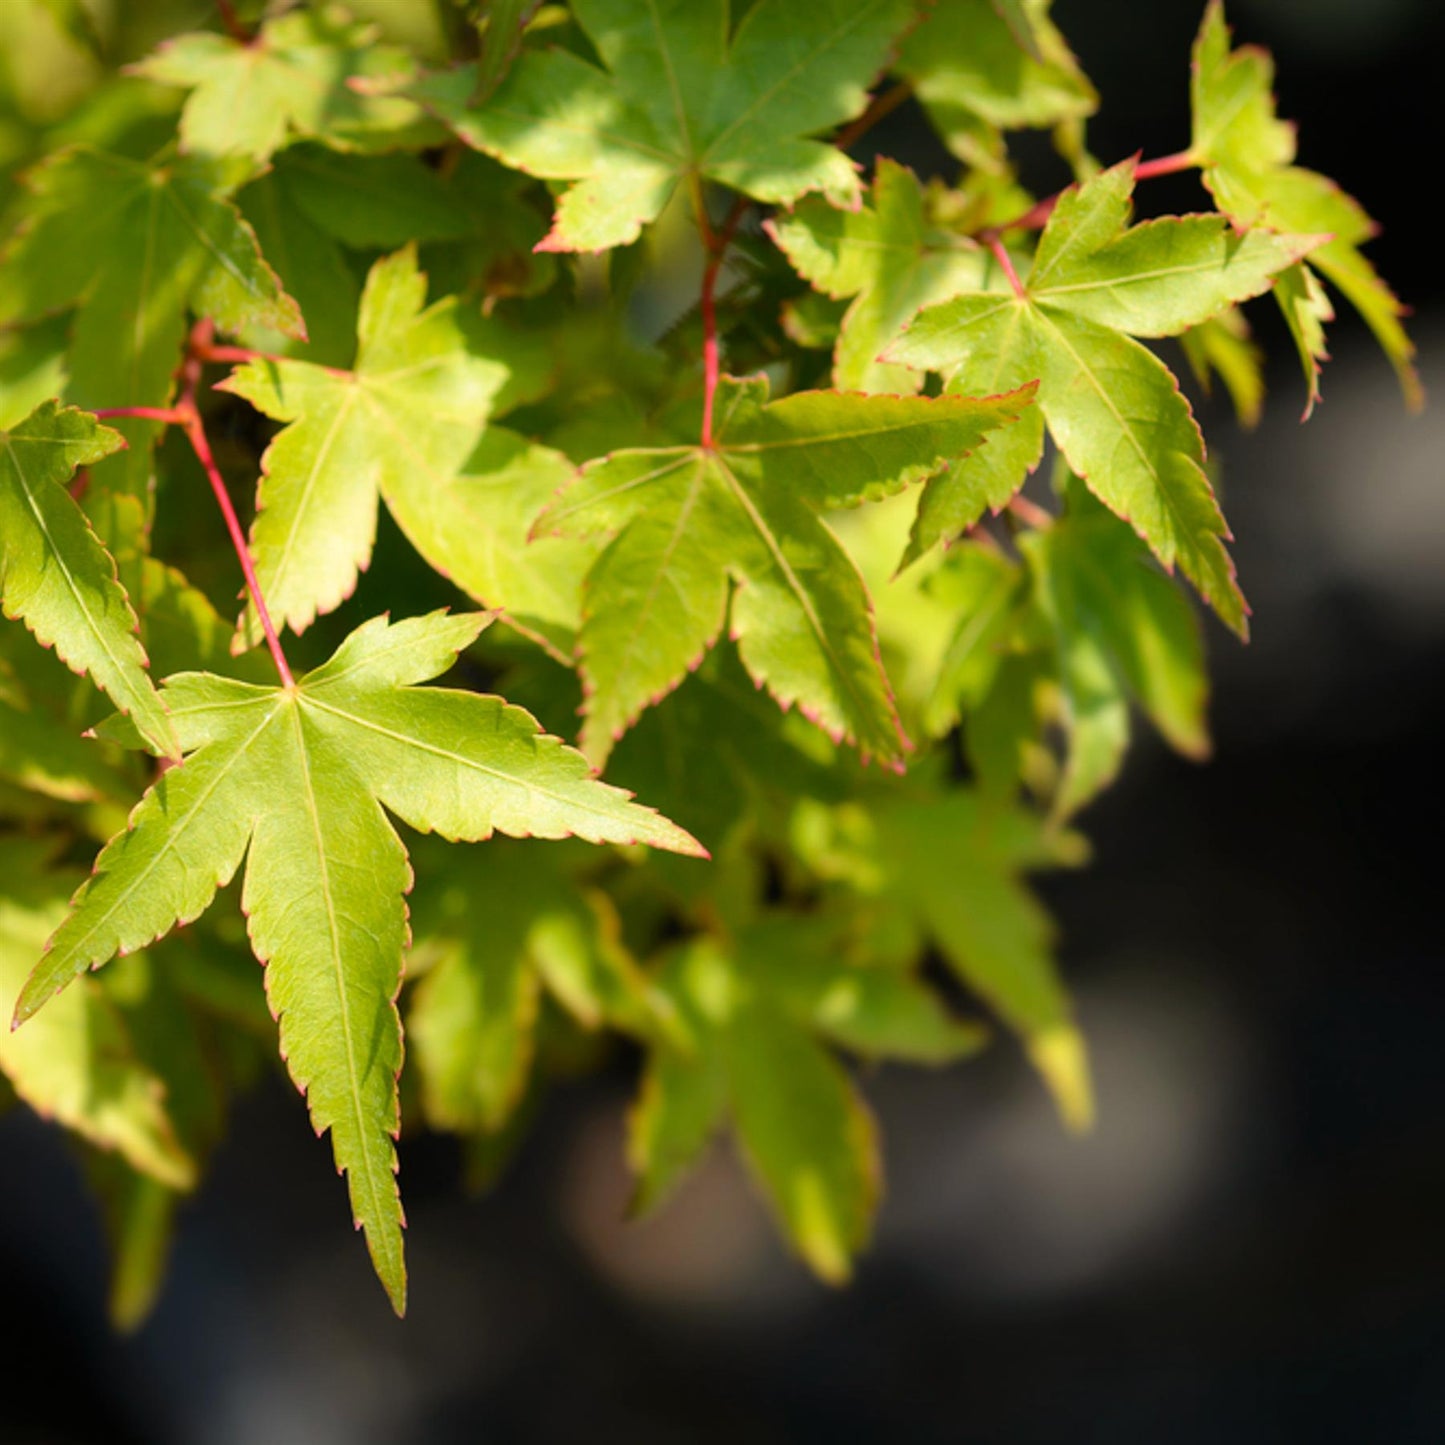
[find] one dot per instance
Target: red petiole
(186, 415)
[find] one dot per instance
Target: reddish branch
(231, 22)
(878, 107)
(187, 416)
(716, 242)
(1037, 216)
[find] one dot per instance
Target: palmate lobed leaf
(953, 867)
(402, 423)
(890, 259)
(78, 1064)
(133, 245)
(55, 573)
(981, 63)
(689, 520)
(300, 776)
(502, 931)
(294, 78)
(757, 1012)
(684, 94)
(1114, 409)
(1248, 154)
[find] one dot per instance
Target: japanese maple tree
(849, 567)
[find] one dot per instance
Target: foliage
(770, 530)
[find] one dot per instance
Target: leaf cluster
(570, 377)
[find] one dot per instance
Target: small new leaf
(889, 258)
(300, 776)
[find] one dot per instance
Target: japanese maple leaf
(980, 64)
(76, 1063)
(683, 96)
(1247, 154)
(1114, 408)
(757, 1013)
(299, 775)
(55, 573)
(134, 246)
(292, 79)
(952, 868)
(890, 259)
(406, 418)
(501, 932)
(690, 518)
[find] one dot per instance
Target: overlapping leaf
(55, 573)
(134, 246)
(404, 421)
(501, 932)
(688, 519)
(683, 96)
(756, 1014)
(890, 259)
(78, 1064)
(1114, 409)
(294, 78)
(954, 867)
(1120, 629)
(299, 775)
(977, 64)
(1248, 159)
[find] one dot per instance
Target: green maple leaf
(506, 20)
(292, 79)
(406, 418)
(717, 755)
(683, 96)
(56, 574)
(1223, 346)
(500, 935)
(890, 258)
(952, 867)
(299, 775)
(1114, 409)
(1120, 629)
(133, 246)
(474, 528)
(79, 1064)
(977, 64)
(1247, 154)
(756, 1014)
(688, 519)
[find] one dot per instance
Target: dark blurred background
(1251, 1246)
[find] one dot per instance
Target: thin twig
(1030, 513)
(186, 415)
(880, 106)
(231, 22)
(1037, 215)
(717, 244)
